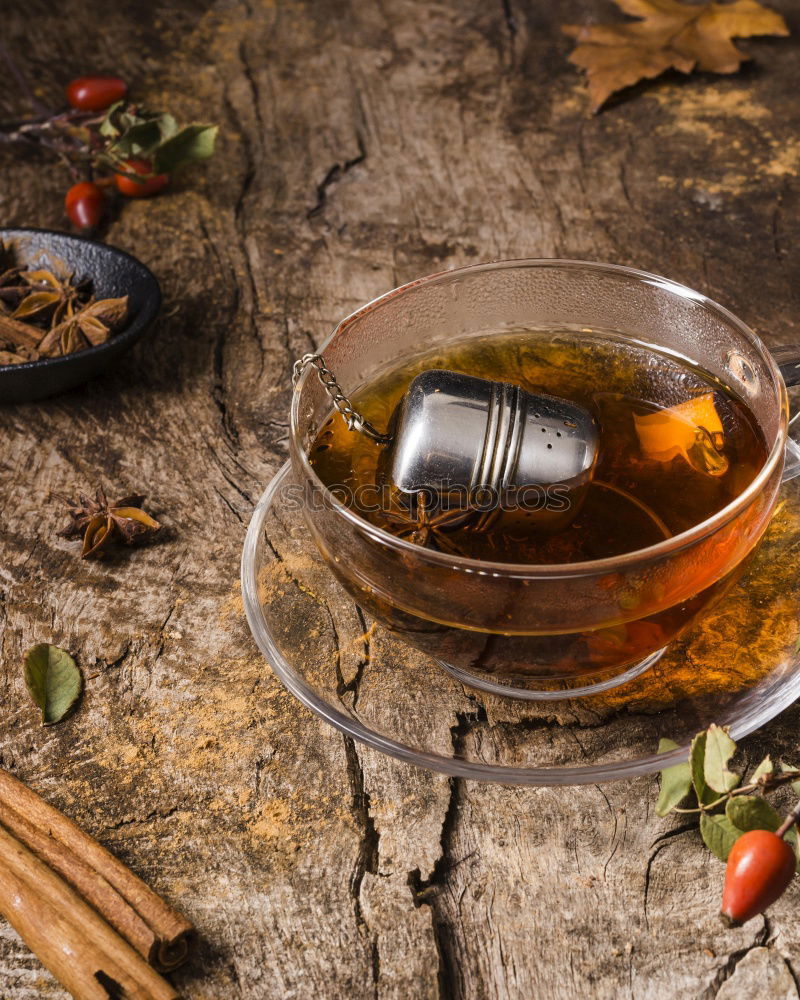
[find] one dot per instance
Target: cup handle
(788, 361)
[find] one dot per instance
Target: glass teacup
(537, 623)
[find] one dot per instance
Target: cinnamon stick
(82, 951)
(17, 333)
(157, 931)
(82, 877)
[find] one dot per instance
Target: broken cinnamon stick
(82, 951)
(157, 931)
(19, 334)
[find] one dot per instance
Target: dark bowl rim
(131, 332)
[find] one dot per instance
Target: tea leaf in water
(691, 429)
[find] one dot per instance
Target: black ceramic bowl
(112, 273)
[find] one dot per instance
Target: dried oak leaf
(669, 35)
(101, 523)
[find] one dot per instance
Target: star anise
(101, 523)
(425, 525)
(45, 316)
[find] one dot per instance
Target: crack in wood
(659, 843)
(137, 821)
(368, 850)
(354, 685)
(510, 19)
(333, 175)
(425, 892)
(725, 971)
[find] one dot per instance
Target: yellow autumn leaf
(667, 35)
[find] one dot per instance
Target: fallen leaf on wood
(668, 35)
(53, 680)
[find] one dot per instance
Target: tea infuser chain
(354, 420)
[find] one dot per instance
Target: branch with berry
(107, 142)
(739, 827)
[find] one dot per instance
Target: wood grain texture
(363, 144)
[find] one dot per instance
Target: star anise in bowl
(101, 523)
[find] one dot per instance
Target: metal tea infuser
(453, 432)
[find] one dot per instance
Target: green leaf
(676, 781)
(719, 750)
(765, 767)
(795, 785)
(53, 681)
(109, 126)
(697, 764)
(749, 812)
(719, 834)
(137, 140)
(191, 143)
(169, 127)
(142, 135)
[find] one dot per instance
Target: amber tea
(676, 446)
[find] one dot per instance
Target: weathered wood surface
(363, 144)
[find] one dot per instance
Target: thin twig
(767, 783)
(789, 822)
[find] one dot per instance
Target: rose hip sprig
(105, 140)
(739, 827)
(96, 93)
(760, 867)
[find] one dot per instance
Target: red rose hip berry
(96, 93)
(760, 867)
(143, 188)
(85, 204)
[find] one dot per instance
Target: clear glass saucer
(740, 667)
